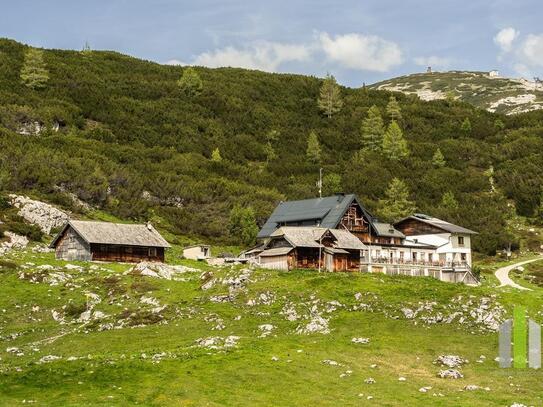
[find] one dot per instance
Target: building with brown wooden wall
(112, 242)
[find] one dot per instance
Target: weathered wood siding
(275, 262)
(413, 227)
(127, 254)
(72, 247)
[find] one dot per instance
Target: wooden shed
(114, 242)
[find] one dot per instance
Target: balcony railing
(427, 263)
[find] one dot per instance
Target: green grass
(116, 367)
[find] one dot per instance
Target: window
(414, 256)
(152, 252)
(463, 256)
(401, 255)
(461, 240)
(430, 257)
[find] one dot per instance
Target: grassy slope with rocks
(238, 336)
(503, 95)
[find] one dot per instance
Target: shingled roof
(310, 236)
(439, 223)
(115, 234)
(323, 212)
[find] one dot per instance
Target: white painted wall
(448, 246)
(196, 253)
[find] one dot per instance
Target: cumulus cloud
(361, 52)
(505, 38)
(433, 61)
(531, 50)
(265, 56)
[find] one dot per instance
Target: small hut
(197, 252)
(114, 242)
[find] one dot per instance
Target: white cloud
(361, 52)
(505, 38)
(531, 50)
(266, 56)
(433, 61)
(175, 62)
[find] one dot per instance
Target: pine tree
(394, 144)
(270, 152)
(372, 130)
(34, 73)
(449, 202)
(396, 203)
(499, 124)
(394, 111)
(466, 126)
(331, 184)
(242, 225)
(190, 82)
(216, 155)
(438, 160)
(313, 151)
(330, 96)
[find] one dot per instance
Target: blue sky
(359, 41)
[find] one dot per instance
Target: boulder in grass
(450, 374)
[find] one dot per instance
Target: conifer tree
(394, 144)
(242, 225)
(330, 101)
(394, 111)
(396, 204)
(372, 130)
(331, 184)
(216, 155)
(34, 73)
(466, 126)
(190, 82)
(313, 151)
(438, 160)
(448, 201)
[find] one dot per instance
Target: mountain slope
(119, 134)
(495, 94)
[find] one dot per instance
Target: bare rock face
(43, 215)
(15, 242)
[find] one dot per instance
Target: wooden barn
(311, 247)
(114, 242)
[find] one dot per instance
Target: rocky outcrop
(15, 242)
(43, 215)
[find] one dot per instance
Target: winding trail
(502, 274)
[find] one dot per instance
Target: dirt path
(502, 274)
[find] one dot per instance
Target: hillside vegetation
(122, 135)
(495, 94)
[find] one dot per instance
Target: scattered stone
(425, 389)
(49, 358)
(266, 330)
(402, 379)
(360, 340)
(330, 362)
(450, 361)
(369, 380)
(450, 374)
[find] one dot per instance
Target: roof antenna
(319, 183)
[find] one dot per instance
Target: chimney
(149, 226)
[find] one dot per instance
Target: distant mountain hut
(112, 242)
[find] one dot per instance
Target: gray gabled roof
(304, 236)
(439, 223)
(325, 212)
(387, 230)
(115, 234)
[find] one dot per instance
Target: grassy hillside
(495, 94)
(131, 144)
(153, 341)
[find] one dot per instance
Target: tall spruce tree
(190, 82)
(394, 111)
(396, 204)
(216, 155)
(449, 202)
(394, 144)
(34, 73)
(313, 151)
(330, 101)
(466, 126)
(242, 225)
(438, 160)
(372, 130)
